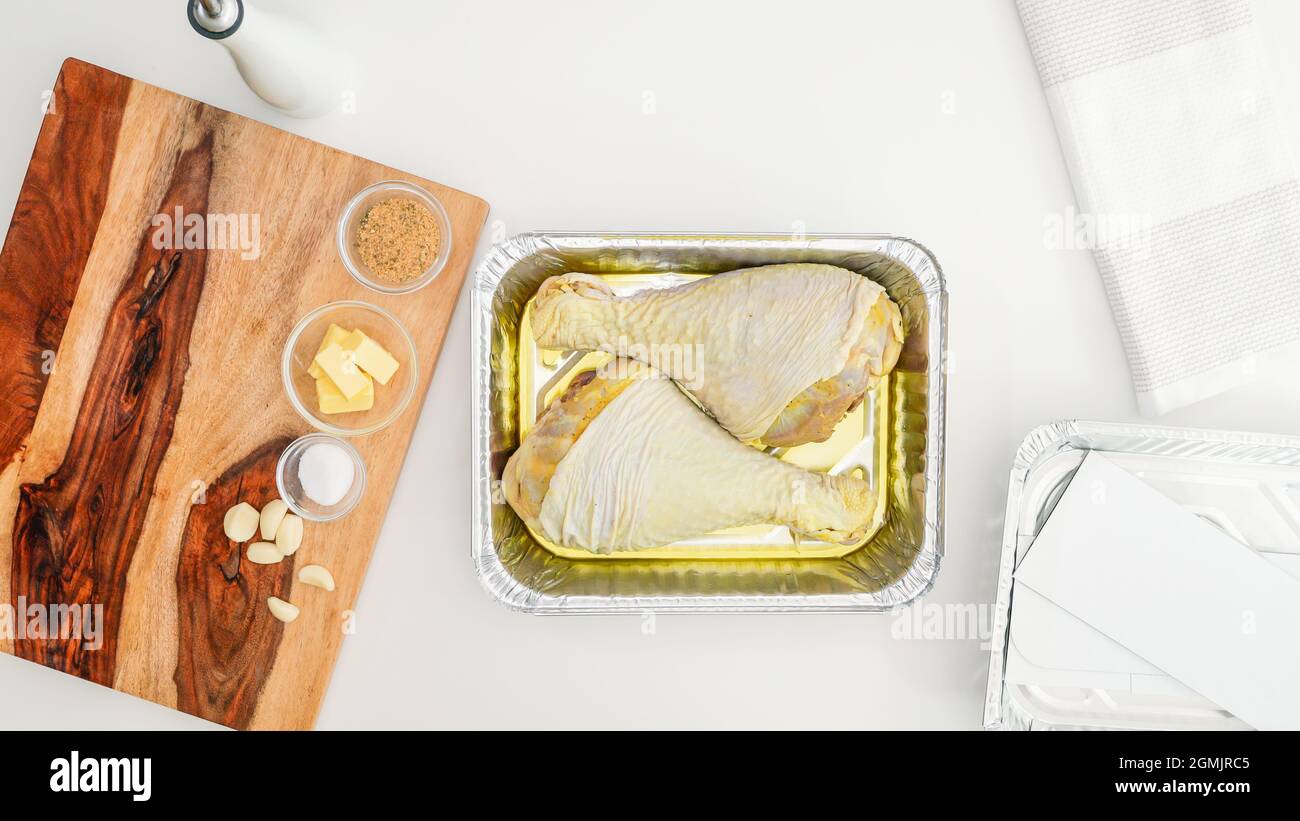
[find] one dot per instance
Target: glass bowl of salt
(320, 477)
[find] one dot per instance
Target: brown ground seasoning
(398, 239)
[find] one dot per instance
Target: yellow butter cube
(341, 367)
(334, 335)
(371, 357)
(331, 399)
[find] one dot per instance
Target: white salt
(326, 473)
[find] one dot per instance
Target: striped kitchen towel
(1186, 186)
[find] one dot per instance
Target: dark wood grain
(40, 269)
(227, 635)
(75, 532)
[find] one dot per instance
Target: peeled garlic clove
(272, 515)
(282, 610)
(289, 535)
(241, 522)
(316, 576)
(264, 553)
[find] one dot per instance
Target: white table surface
(924, 119)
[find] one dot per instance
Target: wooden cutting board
(140, 397)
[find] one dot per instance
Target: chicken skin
(777, 354)
(624, 460)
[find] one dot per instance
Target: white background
(924, 119)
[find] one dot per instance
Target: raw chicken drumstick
(777, 354)
(624, 460)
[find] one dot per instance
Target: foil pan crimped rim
(913, 583)
(1001, 713)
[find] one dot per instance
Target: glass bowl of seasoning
(320, 477)
(349, 368)
(394, 237)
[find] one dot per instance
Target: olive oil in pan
(860, 442)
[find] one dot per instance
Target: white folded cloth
(1186, 185)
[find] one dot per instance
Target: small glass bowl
(376, 323)
(357, 208)
(286, 479)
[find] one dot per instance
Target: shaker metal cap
(216, 19)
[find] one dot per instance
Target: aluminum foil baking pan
(1247, 484)
(898, 564)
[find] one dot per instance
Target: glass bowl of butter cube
(349, 368)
